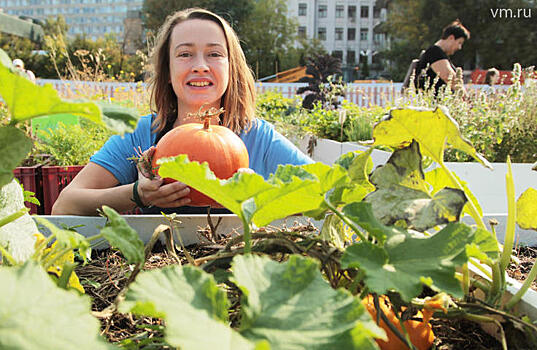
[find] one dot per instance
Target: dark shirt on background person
(425, 75)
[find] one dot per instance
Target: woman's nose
(200, 65)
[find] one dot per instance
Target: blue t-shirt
(266, 149)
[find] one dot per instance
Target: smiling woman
(197, 61)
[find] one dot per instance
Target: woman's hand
(151, 190)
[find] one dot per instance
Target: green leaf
(333, 231)
(406, 263)
(26, 100)
(120, 235)
(432, 129)
(404, 167)
(484, 246)
(526, 209)
(416, 208)
(35, 314)
(358, 166)
(438, 179)
(296, 189)
(293, 307)
(361, 214)
(291, 190)
(229, 193)
(194, 308)
(15, 146)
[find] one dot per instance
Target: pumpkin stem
(207, 115)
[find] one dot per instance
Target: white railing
(364, 94)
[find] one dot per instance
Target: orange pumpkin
(217, 145)
(421, 333)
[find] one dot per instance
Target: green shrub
(71, 145)
(498, 125)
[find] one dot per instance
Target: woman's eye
(183, 54)
(216, 54)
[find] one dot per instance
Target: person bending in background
(197, 61)
(435, 60)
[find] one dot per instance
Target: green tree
(267, 34)
(154, 12)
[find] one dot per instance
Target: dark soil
(519, 272)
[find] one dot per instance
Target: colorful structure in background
(506, 76)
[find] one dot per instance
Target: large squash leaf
(296, 190)
(438, 179)
(230, 193)
(293, 307)
(293, 189)
(526, 209)
(406, 263)
(416, 208)
(433, 129)
(402, 193)
(26, 100)
(35, 314)
(15, 146)
(194, 308)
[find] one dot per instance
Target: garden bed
(107, 273)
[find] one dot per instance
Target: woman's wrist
(136, 196)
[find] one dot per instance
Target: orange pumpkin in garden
(222, 149)
(421, 333)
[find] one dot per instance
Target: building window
(302, 9)
(302, 32)
(351, 56)
(376, 12)
(352, 13)
(351, 34)
(323, 11)
(364, 11)
(339, 33)
(321, 33)
(340, 11)
(338, 54)
(377, 38)
(363, 34)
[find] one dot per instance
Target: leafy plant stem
(511, 215)
(12, 217)
(473, 210)
(247, 235)
(67, 270)
(497, 282)
(7, 256)
(465, 279)
(523, 289)
(346, 221)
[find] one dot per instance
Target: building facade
(346, 29)
(94, 18)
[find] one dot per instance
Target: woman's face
(199, 65)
